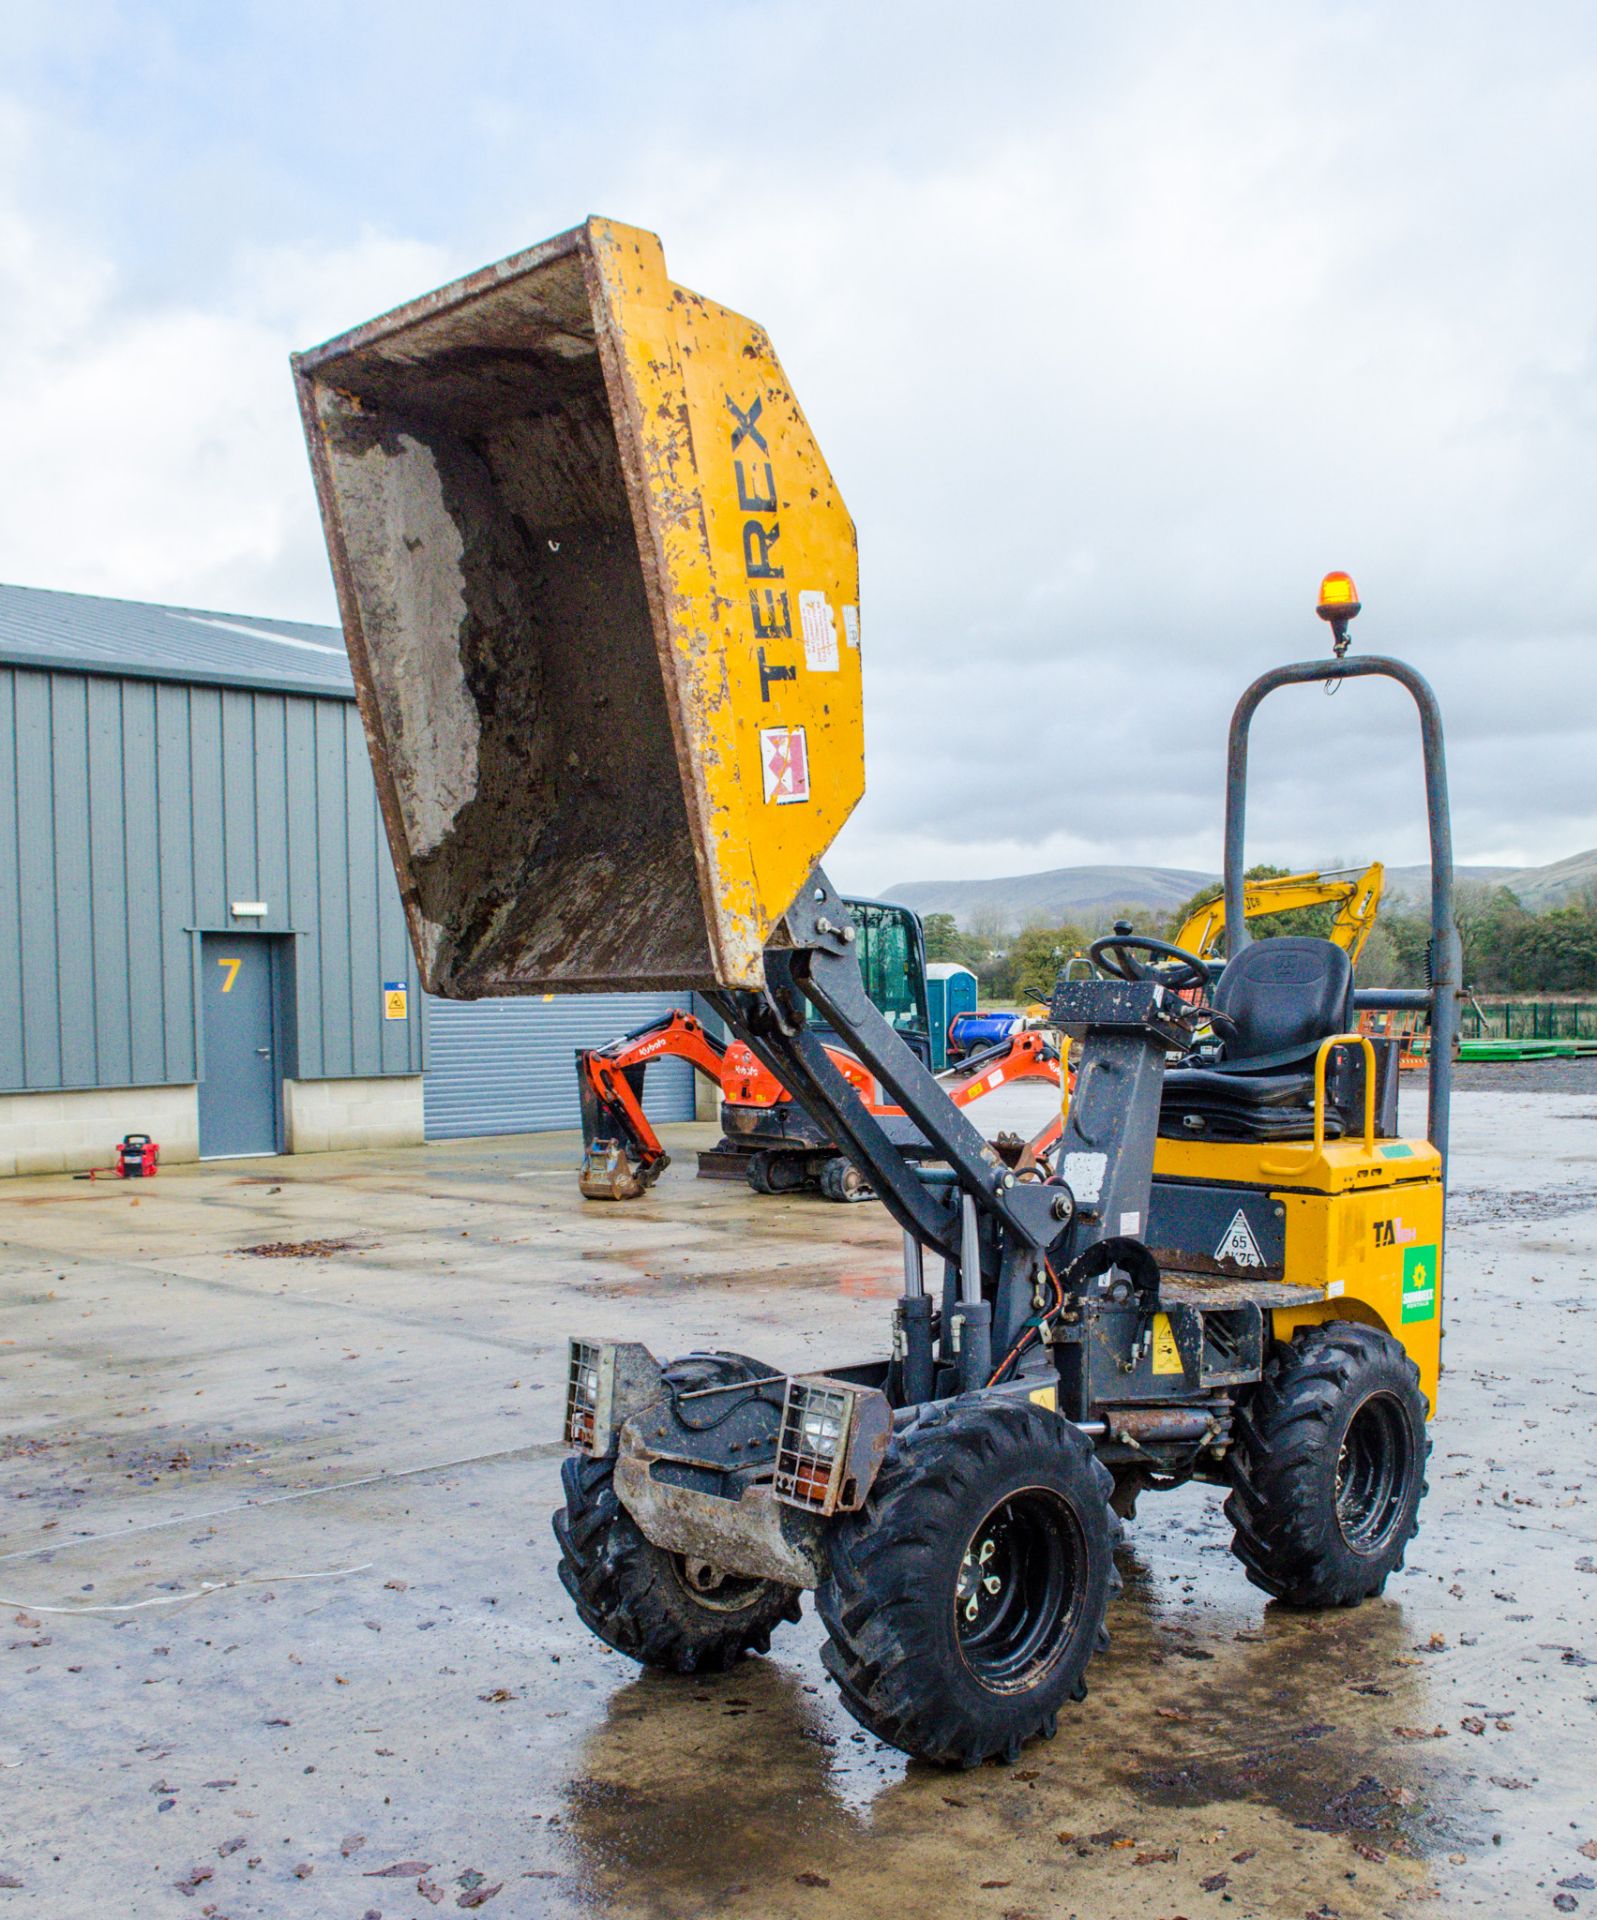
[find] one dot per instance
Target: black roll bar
(1446, 956)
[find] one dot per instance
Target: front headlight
(582, 1395)
(832, 1440)
(607, 1381)
(821, 1431)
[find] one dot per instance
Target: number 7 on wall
(232, 967)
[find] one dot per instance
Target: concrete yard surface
(280, 1632)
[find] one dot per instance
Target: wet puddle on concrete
(1225, 1761)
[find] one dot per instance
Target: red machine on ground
(767, 1137)
(137, 1158)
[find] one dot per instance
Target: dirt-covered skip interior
(504, 645)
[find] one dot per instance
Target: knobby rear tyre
(1328, 1469)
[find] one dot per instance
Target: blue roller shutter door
(506, 1066)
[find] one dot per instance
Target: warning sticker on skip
(785, 763)
(820, 633)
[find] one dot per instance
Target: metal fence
(1529, 1020)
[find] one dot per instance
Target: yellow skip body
(601, 598)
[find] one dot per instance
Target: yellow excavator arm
(1355, 893)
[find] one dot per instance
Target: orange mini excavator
(767, 1137)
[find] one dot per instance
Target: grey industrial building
(200, 932)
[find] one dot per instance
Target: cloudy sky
(1119, 325)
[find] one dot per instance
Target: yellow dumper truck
(601, 598)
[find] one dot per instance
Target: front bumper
(742, 1474)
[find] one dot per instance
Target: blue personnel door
(239, 1094)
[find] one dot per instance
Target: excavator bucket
(600, 595)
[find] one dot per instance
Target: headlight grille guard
(607, 1381)
(833, 1439)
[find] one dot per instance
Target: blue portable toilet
(950, 989)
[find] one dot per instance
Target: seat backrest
(1285, 996)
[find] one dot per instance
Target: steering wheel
(1182, 970)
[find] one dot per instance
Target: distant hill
(1088, 895)
(1084, 894)
(1536, 888)
(1553, 885)
(1412, 885)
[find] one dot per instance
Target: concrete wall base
(706, 1094)
(706, 1098)
(69, 1132)
(320, 1116)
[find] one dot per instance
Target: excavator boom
(623, 1155)
(1356, 895)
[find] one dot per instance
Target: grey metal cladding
(508, 1065)
(74, 853)
(146, 943)
(128, 639)
(269, 801)
(133, 813)
(332, 892)
(365, 945)
(174, 852)
(299, 777)
(34, 907)
(393, 937)
(108, 977)
(10, 892)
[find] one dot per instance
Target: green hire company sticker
(1419, 1283)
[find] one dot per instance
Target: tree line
(1508, 948)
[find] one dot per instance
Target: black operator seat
(1280, 999)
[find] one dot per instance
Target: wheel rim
(1020, 1590)
(710, 1587)
(1372, 1471)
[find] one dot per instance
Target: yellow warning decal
(1166, 1354)
(1045, 1397)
